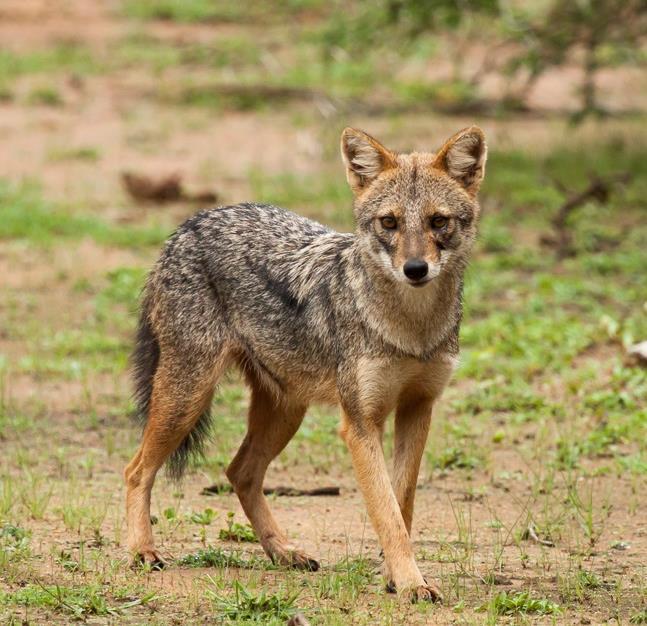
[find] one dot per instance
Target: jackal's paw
(426, 593)
(297, 560)
(150, 558)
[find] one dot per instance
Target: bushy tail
(145, 359)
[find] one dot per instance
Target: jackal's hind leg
(175, 407)
(270, 427)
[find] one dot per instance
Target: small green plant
(14, 544)
(578, 585)
(35, 497)
(47, 96)
(68, 562)
(585, 512)
(7, 497)
(236, 531)
(203, 519)
(639, 618)
(456, 458)
(349, 578)
(518, 603)
(219, 558)
(246, 606)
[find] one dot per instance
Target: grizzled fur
(296, 302)
(312, 315)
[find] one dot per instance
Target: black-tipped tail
(191, 447)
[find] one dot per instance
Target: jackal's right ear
(365, 158)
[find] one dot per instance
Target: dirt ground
(65, 438)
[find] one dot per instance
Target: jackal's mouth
(419, 283)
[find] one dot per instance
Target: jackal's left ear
(365, 158)
(463, 158)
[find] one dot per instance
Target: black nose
(415, 269)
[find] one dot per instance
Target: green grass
(78, 602)
(237, 532)
(218, 10)
(245, 606)
(45, 96)
(26, 215)
(214, 557)
(521, 602)
(183, 10)
(62, 57)
(90, 154)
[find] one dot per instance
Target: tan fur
(171, 418)
(270, 427)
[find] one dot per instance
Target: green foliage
(124, 286)
(218, 558)
(26, 215)
(604, 32)
(521, 602)
(47, 96)
(204, 518)
(349, 578)
(181, 10)
(61, 57)
(247, 606)
(82, 153)
(14, 543)
(365, 25)
(76, 601)
(236, 531)
(215, 557)
(456, 458)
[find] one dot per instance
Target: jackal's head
(416, 213)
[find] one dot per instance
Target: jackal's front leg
(363, 438)
(412, 418)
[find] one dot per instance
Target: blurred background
(120, 118)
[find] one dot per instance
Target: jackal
(368, 320)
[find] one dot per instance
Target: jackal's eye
(439, 221)
(389, 222)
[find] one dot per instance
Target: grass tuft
(244, 605)
(518, 603)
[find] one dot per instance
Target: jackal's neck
(414, 320)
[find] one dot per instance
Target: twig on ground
(531, 533)
(219, 488)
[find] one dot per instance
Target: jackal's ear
(365, 158)
(463, 158)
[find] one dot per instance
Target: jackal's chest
(383, 382)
